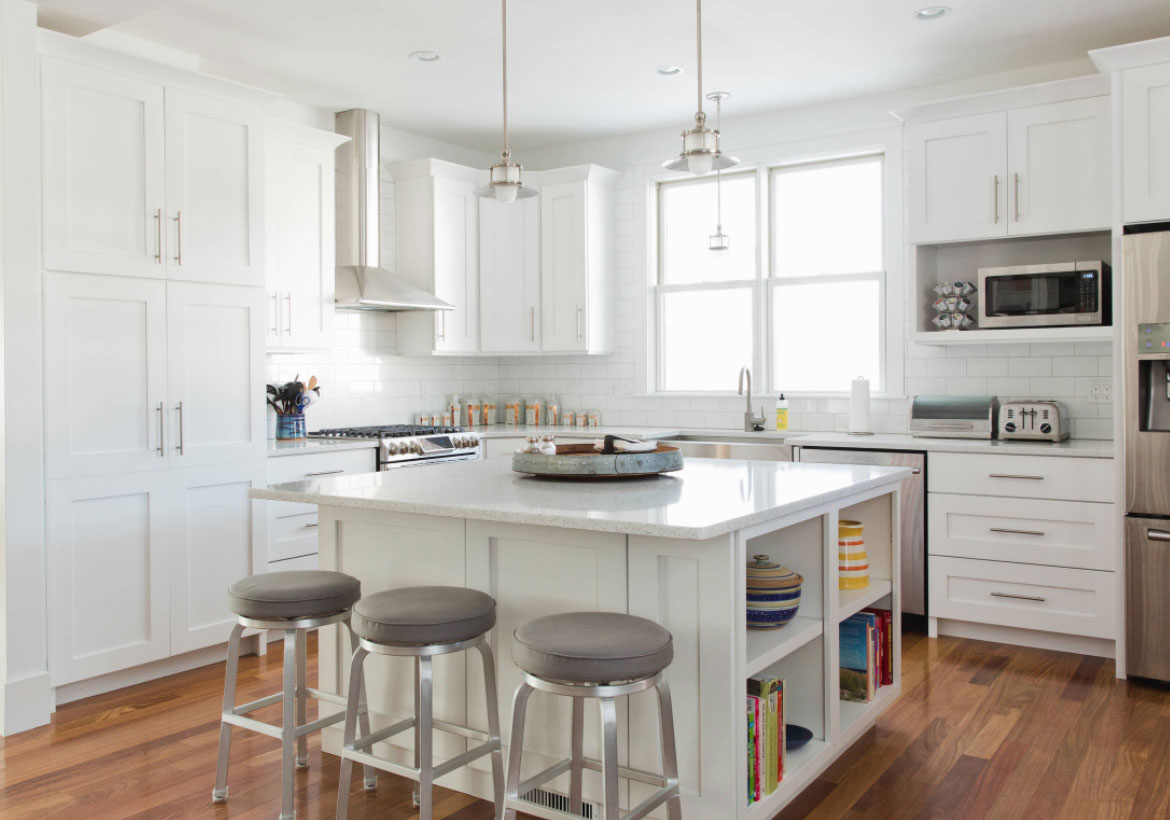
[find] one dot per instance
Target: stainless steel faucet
(750, 423)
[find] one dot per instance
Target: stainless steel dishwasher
(913, 511)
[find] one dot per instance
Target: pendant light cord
(718, 172)
(699, 49)
(504, 26)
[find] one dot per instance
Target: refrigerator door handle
(1157, 535)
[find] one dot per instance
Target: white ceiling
(586, 69)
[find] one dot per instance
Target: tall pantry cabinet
(154, 335)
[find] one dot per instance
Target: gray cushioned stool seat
(592, 647)
(416, 616)
(293, 594)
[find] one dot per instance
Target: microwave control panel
(1089, 292)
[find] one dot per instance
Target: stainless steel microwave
(1062, 294)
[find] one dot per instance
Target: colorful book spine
(751, 749)
(782, 717)
(886, 636)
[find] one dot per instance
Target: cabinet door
(509, 275)
(213, 534)
(108, 587)
(103, 171)
(215, 190)
(105, 374)
(1058, 164)
(1145, 129)
(958, 184)
(564, 272)
(300, 245)
(215, 374)
(457, 265)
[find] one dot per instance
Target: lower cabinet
(139, 564)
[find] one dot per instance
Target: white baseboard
(1099, 647)
(25, 704)
(147, 671)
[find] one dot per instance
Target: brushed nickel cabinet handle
(1016, 532)
(158, 236)
(162, 425)
(1010, 475)
(1158, 535)
(288, 327)
(995, 198)
(1020, 597)
(916, 471)
(578, 321)
(179, 407)
(443, 325)
(178, 237)
(324, 472)
(311, 526)
(1016, 194)
(275, 313)
(533, 331)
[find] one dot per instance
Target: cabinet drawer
(1062, 478)
(1058, 533)
(291, 536)
(282, 469)
(1053, 599)
(304, 562)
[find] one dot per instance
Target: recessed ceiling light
(932, 12)
(426, 56)
(669, 70)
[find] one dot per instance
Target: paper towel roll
(859, 406)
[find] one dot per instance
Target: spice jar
(552, 411)
(489, 411)
(472, 410)
(532, 412)
(512, 412)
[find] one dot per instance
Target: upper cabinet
(1145, 156)
(509, 276)
(300, 241)
(144, 179)
(1029, 170)
(437, 233)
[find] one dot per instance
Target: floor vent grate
(560, 802)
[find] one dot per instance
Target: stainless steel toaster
(954, 416)
(1033, 420)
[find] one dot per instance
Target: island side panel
(690, 588)
(532, 572)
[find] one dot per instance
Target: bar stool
(421, 622)
(293, 602)
(603, 655)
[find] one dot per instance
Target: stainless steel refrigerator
(1146, 361)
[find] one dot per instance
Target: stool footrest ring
(410, 772)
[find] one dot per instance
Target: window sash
(661, 189)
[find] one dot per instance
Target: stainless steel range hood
(361, 283)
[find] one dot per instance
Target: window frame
(884, 141)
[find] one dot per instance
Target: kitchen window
(804, 304)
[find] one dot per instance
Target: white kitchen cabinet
(509, 276)
(437, 217)
(213, 538)
(576, 212)
(958, 185)
(1145, 155)
(215, 189)
(108, 569)
(105, 374)
(103, 172)
(1037, 169)
(300, 236)
(1058, 167)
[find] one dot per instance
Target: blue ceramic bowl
(774, 597)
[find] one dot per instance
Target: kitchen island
(671, 548)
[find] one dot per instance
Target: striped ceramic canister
(773, 594)
(853, 559)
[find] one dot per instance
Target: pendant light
(719, 241)
(505, 184)
(700, 154)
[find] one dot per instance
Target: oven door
(1040, 295)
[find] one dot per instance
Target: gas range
(411, 445)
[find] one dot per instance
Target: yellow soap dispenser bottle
(781, 413)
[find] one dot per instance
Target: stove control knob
(473, 441)
(456, 441)
(416, 448)
(392, 448)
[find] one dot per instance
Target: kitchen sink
(696, 445)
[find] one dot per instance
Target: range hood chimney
(361, 283)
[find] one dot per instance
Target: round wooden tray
(584, 462)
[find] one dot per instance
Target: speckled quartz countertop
(708, 497)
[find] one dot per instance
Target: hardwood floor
(982, 732)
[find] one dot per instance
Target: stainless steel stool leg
(515, 747)
(414, 798)
(609, 760)
(288, 724)
(220, 792)
(426, 775)
(669, 753)
(302, 698)
(369, 773)
(577, 756)
(493, 716)
(356, 686)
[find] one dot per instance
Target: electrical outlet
(1101, 391)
